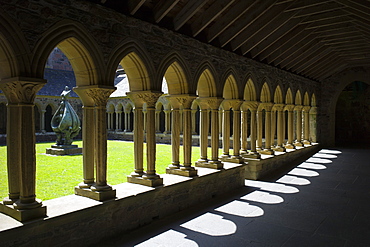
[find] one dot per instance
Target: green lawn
(56, 176)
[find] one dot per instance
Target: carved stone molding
(21, 90)
(181, 100)
(141, 97)
(100, 96)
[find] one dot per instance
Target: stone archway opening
(352, 115)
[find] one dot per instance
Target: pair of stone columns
(21, 202)
(209, 104)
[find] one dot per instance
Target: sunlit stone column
(193, 121)
(215, 163)
(145, 119)
(244, 134)
(167, 122)
(298, 141)
(98, 96)
(267, 149)
(175, 135)
(289, 144)
(280, 125)
(259, 130)
(273, 127)
(306, 136)
(225, 133)
(149, 178)
(236, 158)
(21, 203)
(157, 120)
(312, 119)
(252, 154)
(203, 129)
(118, 121)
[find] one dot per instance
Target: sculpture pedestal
(64, 150)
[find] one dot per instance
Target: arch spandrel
(230, 90)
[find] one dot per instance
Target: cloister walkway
(321, 202)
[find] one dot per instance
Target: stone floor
(324, 201)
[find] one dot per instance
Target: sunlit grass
(57, 176)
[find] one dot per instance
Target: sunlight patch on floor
(327, 151)
(168, 239)
(263, 197)
(319, 160)
(270, 186)
(287, 179)
(211, 224)
(303, 172)
(242, 209)
(312, 166)
(326, 156)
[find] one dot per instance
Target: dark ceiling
(311, 38)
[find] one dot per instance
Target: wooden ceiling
(312, 38)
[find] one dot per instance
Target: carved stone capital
(212, 103)
(21, 90)
(298, 107)
(289, 107)
(141, 97)
(278, 107)
(94, 95)
(252, 105)
(183, 100)
(231, 103)
(313, 110)
(306, 108)
(265, 106)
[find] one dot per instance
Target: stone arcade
(267, 114)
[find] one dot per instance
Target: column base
(224, 157)
(154, 182)
(23, 215)
(306, 142)
(251, 155)
(267, 152)
(96, 195)
(234, 159)
(214, 164)
(289, 146)
(182, 172)
(298, 144)
(279, 149)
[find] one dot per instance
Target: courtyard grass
(57, 176)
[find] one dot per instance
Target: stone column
(306, 136)
(273, 128)
(193, 114)
(280, 128)
(203, 135)
(145, 119)
(267, 150)
(175, 135)
(244, 134)
(225, 134)
(21, 203)
(97, 96)
(118, 120)
(236, 158)
(150, 178)
(259, 130)
(167, 122)
(298, 141)
(289, 144)
(253, 137)
(157, 120)
(312, 119)
(214, 163)
(43, 121)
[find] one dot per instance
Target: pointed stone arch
(306, 99)
(206, 82)
(176, 72)
(278, 95)
(298, 98)
(230, 90)
(289, 97)
(78, 46)
(250, 90)
(265, 93)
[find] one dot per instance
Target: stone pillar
(149, 178)
(203, 135)
(157, 120)
(167, 122)
(289, 144)
(175, 136)
(43, 121)
(306, 136)
(273, 127)
(236, 158)
(225, 134)
(21, 203)
(94, 99)
(244, 134)
(259, 130)
(214, 163)
(145, 119)
(312, 119)
(193, 114)
(118, 120)
(267, 150)
(280, 128)
(298, 141)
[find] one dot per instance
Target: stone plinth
(182, 172)
(147, 182)
(210, 164)
(95, 195)
(64, 150)
(23, 215)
